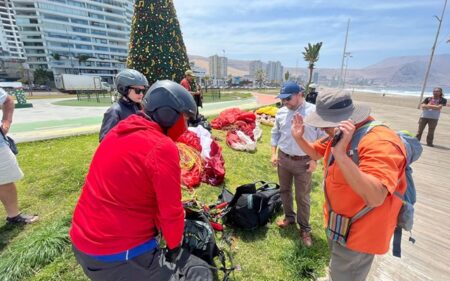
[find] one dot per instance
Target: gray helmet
(166, 100)
(127, 78)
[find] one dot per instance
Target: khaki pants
(432, 124)
(348, 265)
(295, 170)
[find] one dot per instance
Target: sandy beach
(391, 99)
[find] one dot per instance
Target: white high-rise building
(75, 36)
(218, 67)
(274, 72)
(11, 46)
(254, 66)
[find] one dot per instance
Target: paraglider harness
(200, 240)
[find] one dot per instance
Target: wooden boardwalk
(429, 257)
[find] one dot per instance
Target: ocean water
(400, 91)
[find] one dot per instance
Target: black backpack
(199, 239)
(251, 208)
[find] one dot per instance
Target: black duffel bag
(253, 207)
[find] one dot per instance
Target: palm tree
(311, 55)
(83, 58)
(259, 77)
(207, 79)
(286, 76)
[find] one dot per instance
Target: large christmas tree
(156, 44)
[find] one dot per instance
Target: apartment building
(254, 66)
(75, 36)
(11, 46)
(12, 54)
(218, 67)
(274, 72)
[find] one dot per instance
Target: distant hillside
(407, 71)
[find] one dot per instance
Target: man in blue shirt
(10, 171)
(292, 163)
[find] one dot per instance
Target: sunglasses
(287, 99)
(139, 91)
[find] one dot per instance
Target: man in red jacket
(132, 192)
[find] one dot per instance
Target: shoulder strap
(330, 160)
(353, 152)
(4, 136)
(357, 137)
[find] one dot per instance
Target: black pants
(143, 267)
(150, 266)
(432, 124)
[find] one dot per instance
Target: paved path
(46, 120)
(429, 257)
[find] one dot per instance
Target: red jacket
(185, 83)
(131, 190)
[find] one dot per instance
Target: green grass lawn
(84, 101)
(54, 174)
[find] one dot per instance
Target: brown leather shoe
(306, 238)
(284, 223)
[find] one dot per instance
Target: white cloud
(279, 29)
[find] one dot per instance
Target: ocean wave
(399, 92)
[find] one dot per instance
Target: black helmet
(166, 100)
(127, 78)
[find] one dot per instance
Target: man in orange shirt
(350, 187)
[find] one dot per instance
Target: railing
(97, 94)
(211, 94)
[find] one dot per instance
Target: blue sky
(279, 29)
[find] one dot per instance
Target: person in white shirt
(292, 163)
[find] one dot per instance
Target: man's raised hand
(297, 127)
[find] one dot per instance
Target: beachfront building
(274, 72)
(11, 47)
(75, 36)
(12, 54)
(315, 77)
(254, 66)
(218, 67)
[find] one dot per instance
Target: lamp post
(340, 83)
(347, 55)
(432, 54)
(26, 67)
(224, 68)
